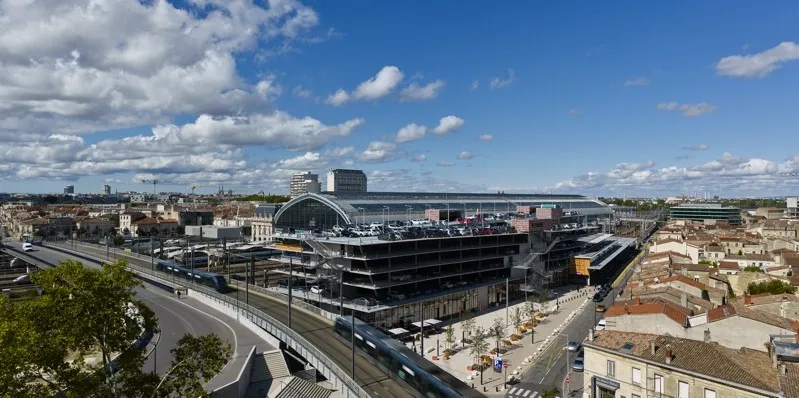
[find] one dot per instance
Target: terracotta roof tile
(745, 366)
(685, 280)
(729, 265)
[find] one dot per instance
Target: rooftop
(745, 366)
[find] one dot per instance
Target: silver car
(573, 346)
(579, 365)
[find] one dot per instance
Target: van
(27, 247)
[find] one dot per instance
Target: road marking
(513, 391)
(526, 393)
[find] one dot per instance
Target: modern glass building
(706, 212)
(328, 209)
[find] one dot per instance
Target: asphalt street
(175, 318)
(551, 367)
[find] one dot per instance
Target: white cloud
(444, 164)
(308, 161)
(416, 92)
(268, 89)
(760, 64)
(697, 147)
(574, 112)
(83, 66)
(474, 86)
(688, 110)
(377, 151)
(301, 92)
(486, 137)
(729, 175)
(378, 86)
(448, 124)
(411, 132)
(419, 158)
(498, 82)
(340, 97)
(465, 155)
(639, 81)
(339, 152)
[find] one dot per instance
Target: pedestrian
(178, 294)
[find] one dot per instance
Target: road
(175, 318)
(551, 368)
(317, 331)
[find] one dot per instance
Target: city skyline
(598, 101)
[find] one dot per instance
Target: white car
(317, 289)
(600, 325)
(27, 247)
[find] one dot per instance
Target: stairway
(299, 388)
(268, 366)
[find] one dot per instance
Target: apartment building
(303, 182)
(342, 180)
(639, 365)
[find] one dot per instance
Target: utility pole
(291, 266)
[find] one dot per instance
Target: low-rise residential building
(95, 226)
(150, 226)
(670, 245)
(762, 261)
(638, 365)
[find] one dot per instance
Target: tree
(84, 311)
(516, 320)
(550, 393)
(753, 268)
(449, 338)
(498, 330)
(467, 326)
(774, 286)
(529, 310)
(478, 345)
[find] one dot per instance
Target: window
(636, 376)
(611, 368)
(658, 383)
(636, 396)
(682, 389)
(710, 393)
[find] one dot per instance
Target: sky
(596, 98)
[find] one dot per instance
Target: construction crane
(154, 182)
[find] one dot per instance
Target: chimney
(747, 299)
(668, 354)
(591, 334)
(707, 336)
(652, 347)
(783, 369)
(684, 299)
(637, 300)
(684, 270)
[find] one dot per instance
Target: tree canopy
(774, 286)
(43, 340)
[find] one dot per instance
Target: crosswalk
(517, 392)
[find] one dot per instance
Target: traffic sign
(497, 363)
(505, 365)
(568, 380)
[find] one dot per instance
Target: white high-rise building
(106, 190)
(300, 181)
(342, 180)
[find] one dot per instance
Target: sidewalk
(520, 354)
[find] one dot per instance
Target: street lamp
(363, 214)
(568, 368)
(408, 207)
(387, 215)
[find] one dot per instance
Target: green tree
(774, 286)
(449, 338)
(43, 340)
(498, 330)
(478, 345)
(467, 326)
(516, 320)
(752, 268)
(550, 393)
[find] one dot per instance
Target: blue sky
(637, 99)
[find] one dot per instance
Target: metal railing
(267, 322)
